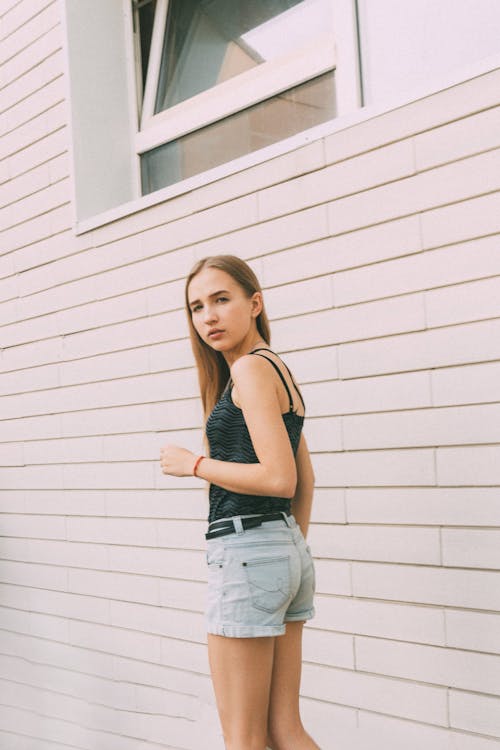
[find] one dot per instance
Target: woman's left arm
(275, 474)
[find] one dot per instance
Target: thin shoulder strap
(278, 371)
(295, 384)
(263, 348)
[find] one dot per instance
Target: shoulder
(251, 368)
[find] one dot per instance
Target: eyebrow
(210, 295)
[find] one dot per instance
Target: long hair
(213, 370)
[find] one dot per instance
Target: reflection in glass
(209, 41)
(265, 123)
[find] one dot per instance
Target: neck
(230, 358)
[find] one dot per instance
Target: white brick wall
(378, 250)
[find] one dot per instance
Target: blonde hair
(213, 370)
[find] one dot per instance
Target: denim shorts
(259, 579)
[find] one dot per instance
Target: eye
(224, 298)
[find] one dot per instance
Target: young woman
(260, 571)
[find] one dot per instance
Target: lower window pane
(290, 112)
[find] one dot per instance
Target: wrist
(197, 463)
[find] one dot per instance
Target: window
(227, 77)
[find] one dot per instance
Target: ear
(257, 304)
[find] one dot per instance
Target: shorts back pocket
(269, 581)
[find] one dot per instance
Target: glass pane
(209, 41)
(404, 44)
(146, 14)
(270, 121)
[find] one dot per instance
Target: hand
(177, 461)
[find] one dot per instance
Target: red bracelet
(196, 464)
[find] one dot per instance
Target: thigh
(241, 670)
(284, 712)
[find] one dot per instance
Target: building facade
(350, 152)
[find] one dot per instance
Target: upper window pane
(209, 41)
(406, 44)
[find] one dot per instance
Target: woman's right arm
(302, 500)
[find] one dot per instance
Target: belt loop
(286, 518)
(238, 526)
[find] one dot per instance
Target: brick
(308, 260)
(461, 344)
(323, 433)
(279, 169)
(19, 14)
(96, 475)
(328, 506)
(471, 465)
(332, 577)
(428, 585)
(477, 132)
(475, 713)
(154, 561)
(476, 300)
(323, 647)
(345, 324)
(462, 384)
(44, 527)
(464, 220)
(314, 364)
(39, 48)
(390, 620)
(16, 189)
(165, 620)
(126, 586)
(267, 237)
(299, 298)
(427, 270)
(471, 548)
(477, 631)
(190, 504)
(344, 396)
(429, 664)
(445, 506)
(386, 544)
(27, 477)
(443, 185)
(34, 79)
(376, 693)
(44, 20)
(423, 427)
(184, 655)
(370, 468)
(386, 731)
(350, 176)
(26, 574)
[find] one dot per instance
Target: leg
(285, 730)
(241, 671)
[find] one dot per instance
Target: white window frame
(253, 86)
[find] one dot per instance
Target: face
(217, 301)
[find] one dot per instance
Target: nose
(209, 314)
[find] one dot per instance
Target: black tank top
(230, 440)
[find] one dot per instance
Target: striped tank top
(229, 440)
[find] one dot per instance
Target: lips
(214, 331)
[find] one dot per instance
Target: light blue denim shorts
(259, 579)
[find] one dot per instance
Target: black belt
(226, 526)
